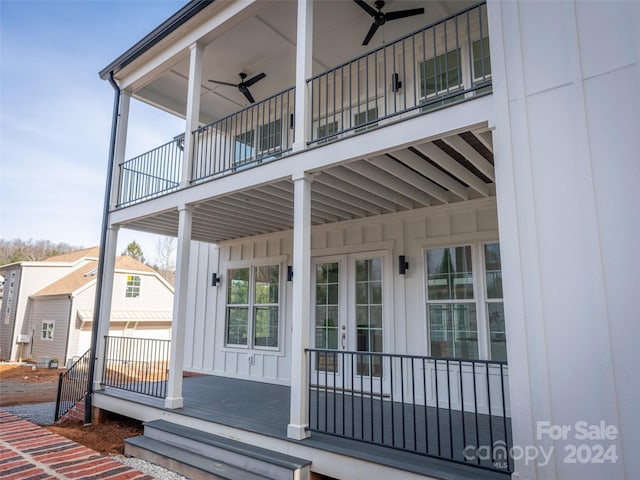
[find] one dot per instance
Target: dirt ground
(21, 385)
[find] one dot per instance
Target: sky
(55, 114)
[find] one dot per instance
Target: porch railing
(457, 410)
(137, 365)
(260, 133)
(151, 174)
(440, 64)
(72, 385)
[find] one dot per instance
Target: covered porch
(463, 426)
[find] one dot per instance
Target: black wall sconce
(215, 279)
(403, 265)
(289, 273)
(396, 84)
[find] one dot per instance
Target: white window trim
(479, 293)
(280, 350)
(52, 331)
(126, 286)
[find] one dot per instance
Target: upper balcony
(410, 66)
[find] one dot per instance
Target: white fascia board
(179, 50)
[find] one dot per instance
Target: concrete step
(192, 465)
(243, 456)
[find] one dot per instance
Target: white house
(407, 232)
(56, 320)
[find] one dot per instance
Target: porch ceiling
(263, 38)
(450, 169)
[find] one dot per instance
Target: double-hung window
(271, 137)
(464, 302)
(47, 330)
(440, 76)
(253, 307)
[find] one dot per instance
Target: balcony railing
(151, 174)
(137, 365)
(457, 410)
(431, 68)
(257, 134)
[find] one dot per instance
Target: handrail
(72, 385)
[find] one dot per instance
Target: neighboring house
(427, 243)
(58, 318)
(25, 278)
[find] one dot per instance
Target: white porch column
(121, 146)
(105, 302)
(193, 109)
(304, 60)
(176, 359)
(299, 413)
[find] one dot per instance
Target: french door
(350, 302)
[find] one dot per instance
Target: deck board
(263, 408)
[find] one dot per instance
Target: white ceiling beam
(347, 197)
(335, 183)
(409, 176)
(485, 138)
(320, 205)
(467, 151)
(327, 201)
(366, 184)
(379, 176)
(424, 168)
(445, 161)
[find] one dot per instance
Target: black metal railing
(440, 64)
(260, 133)
(457, 410)
(136, 364)
(72, 385)
(151, 174)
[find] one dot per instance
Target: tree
(166, 256)
(134, 250)
(17, 250)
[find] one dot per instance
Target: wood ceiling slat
(383, 178)
(424, 168)
(451, 165)
(411, 177)
(472, 156)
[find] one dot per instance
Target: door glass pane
(496, 331)
(449, 273)
(493, 268)
(326, 327)
(453, 330)
(369, 331)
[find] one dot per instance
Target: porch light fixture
(403, 265)
(396, 84)
(215, 279)
(289, 273)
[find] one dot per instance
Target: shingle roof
(82, 276)
(92, 252)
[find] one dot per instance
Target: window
(462, 302)
(326, 130)
(369, 315)
(244, 149)
(440, 76)
(253, 306)
(271, 136)
(364, 118)
(481, 60)
(47, 330)
(133, 286)
(451, 309)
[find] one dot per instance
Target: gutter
(178, 19)
(103, 244)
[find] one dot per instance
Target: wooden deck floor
(263, 408)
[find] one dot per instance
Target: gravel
(149, 468)
(38, 413)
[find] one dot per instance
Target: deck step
(189, 464)
(250, 458)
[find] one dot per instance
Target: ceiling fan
(244, 85)
(380, 18)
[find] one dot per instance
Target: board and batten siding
(407, 233)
